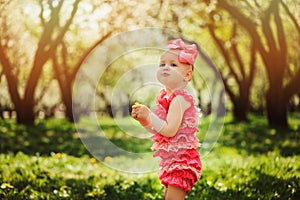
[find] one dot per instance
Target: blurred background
(54, 50)
(255, 45)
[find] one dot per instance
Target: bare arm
(166, 127)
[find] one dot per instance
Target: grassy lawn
(49, 161)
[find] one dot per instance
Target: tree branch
(84, 56)
(43, 23)
(252, 64)
(266, 28)
(64, 29)
(236, 53)
(228, 90)
(292, 17)
(10, 77)
(64, 54)
(225, 53)
(248, 25)
(293, 86)
(42, 55)
(281, 38)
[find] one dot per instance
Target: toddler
(173, 122)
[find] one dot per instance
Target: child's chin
(166, 82)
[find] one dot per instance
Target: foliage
(250, 161)
(45, 136)
(256, 138)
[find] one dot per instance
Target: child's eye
(173, 65)
(162, 65)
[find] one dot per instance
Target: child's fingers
(134, 108)
(137, 106)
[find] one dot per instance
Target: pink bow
(188, 53)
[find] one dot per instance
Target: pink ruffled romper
(180, 163)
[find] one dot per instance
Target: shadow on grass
(83, 189)
(264, 186)
(256, 137)
(60, 136)
(46, 136)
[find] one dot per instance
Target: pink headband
(187, 54)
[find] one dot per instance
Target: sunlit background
(254, 46)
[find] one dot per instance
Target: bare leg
(166, 191)
(174, 193)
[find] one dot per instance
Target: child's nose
(167, 67)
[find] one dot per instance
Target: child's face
(172, 73)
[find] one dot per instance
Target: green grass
(49, 161)
(61, 176)
(53, 135)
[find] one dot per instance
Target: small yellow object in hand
(136, 103)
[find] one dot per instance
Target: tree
(269, 31)
(116, 17)
(240, 70)
(238, 64)
(65, 74)
(51, 35)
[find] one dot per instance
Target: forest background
(254, 45)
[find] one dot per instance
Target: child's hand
(140, 113)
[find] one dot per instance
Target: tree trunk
(240, 112)
(241, 105)
(25, 113)
(52, 33)
(65, 74)
(67, 100)
(221, 111)
(69, 112)
(272, 46)
(276, 109)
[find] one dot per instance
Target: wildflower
(58, 155)
(107, 159)
(93, 160)
(6, 186)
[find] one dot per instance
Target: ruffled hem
(195, 170)
(187, 175)
(175, 146)
(183, 179)
(179, 182)
(183, 160)
(187, 135)
(191, 153)
(189, 130)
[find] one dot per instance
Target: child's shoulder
(181, 94)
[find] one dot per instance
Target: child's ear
(189, 75)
